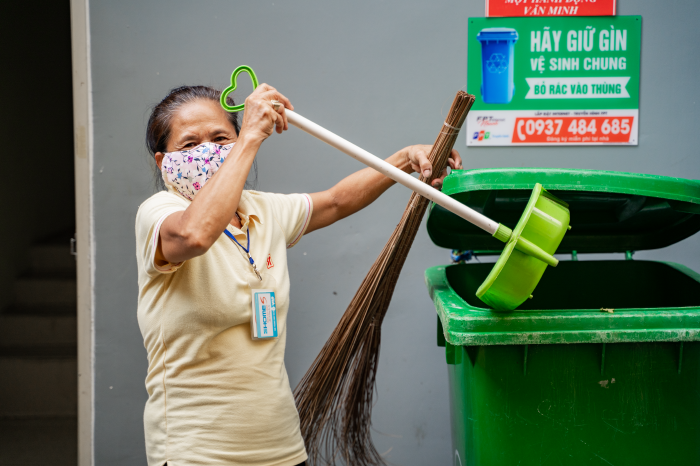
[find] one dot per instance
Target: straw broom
(335, 396)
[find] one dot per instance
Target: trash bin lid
(610, 211)
(497, 34)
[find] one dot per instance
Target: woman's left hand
(418, 158)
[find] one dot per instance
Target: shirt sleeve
(149, 219)
(293, 214)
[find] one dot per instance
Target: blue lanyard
(247, 250)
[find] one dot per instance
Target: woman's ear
(159, 159)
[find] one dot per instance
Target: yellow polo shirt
(216, 396)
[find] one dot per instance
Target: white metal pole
(392, 172)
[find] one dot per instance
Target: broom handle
(392, 172)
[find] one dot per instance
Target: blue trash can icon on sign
(497, 45)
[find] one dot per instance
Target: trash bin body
(560, 381)
(497, 55)
(563, 410)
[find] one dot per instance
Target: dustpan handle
(392, 172)
(500, 232)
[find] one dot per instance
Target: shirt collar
(247, 215)
(246, 210)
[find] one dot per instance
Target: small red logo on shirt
(269, 262)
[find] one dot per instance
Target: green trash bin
(602, 366)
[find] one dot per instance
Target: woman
(217, 396)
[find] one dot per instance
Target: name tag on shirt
(264, 323)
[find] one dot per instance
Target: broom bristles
(335, 396)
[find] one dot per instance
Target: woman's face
(196, 123)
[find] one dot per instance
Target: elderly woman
(218, 390)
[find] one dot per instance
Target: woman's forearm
(362, 188)
(191, 233)
(353, 193)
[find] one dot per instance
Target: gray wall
(381, 73)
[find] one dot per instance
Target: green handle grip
(232, 87)
(523, 245)
(531, 249)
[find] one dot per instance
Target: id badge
(263, 323)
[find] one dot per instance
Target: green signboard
(554, 80)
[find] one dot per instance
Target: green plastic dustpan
(516, 274)
(529, 248)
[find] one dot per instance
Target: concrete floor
(47, 441)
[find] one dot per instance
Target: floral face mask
(187, 171)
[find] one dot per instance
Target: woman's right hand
(260, 118)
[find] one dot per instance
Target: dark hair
(160, 121)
